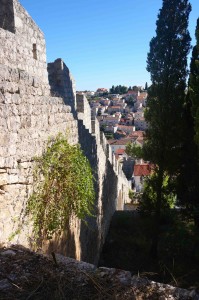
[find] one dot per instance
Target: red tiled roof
(137, 133)
(120, 142)
(130, 128)
(141, 97)
(142, 169)
(120, 151)
(115, 106)
(101, 89)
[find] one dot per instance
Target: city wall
(32, 111)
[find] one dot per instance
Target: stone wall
(62, 83)
(84, 111)
(25, 49)
(7, 15)
(28, 117)
(26, 123)
(112, 187)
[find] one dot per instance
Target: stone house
(127, 120)
(105, 102)
(101, 91)
(120, 144)
(108, 120)
(133, 94)
(110, 128)
(127, 129)
(141, 100)
(140, 123)
(117, 108)
(117, 101)
(140, 172)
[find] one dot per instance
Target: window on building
(34, 51)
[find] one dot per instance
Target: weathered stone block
(13, 179)
(13, 123)
(3, 178)
(12, 149)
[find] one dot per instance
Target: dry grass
(34, 277)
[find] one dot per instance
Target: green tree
(194, 83)
(167, 64)
(131, 100)
(189, 179)
(124, 89)
(149, 199)
(134, 150)
(135, 88)
(146, 86)
(119, 89)
(112, 90)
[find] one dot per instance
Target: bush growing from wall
(63, 187)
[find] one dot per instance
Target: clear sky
(103, 42)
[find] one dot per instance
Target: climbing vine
(63, 186)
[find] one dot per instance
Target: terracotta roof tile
(143, 169)
(120, 142)
(120, 151)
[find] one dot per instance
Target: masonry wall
(28, 117)
(84, 111)
(112, 187)
(26, 123)
(7, 15)
(62, 83)
(24, 49)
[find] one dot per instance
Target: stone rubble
(21, 269)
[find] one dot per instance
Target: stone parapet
(24, 46)
(92, 124)
(84, 111)
(62, 84)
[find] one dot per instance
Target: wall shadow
(89, 232)
(63, 244)
(7, 15)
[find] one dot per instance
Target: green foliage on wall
(63, 187)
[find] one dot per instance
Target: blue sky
(103, 42)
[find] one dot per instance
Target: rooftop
(143, 169)
(121, 141)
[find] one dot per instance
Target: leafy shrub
(63, 186)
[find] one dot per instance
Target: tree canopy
(194, 82)
(118, 89)
(168, 76)
(189, 175)
(167, 64)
